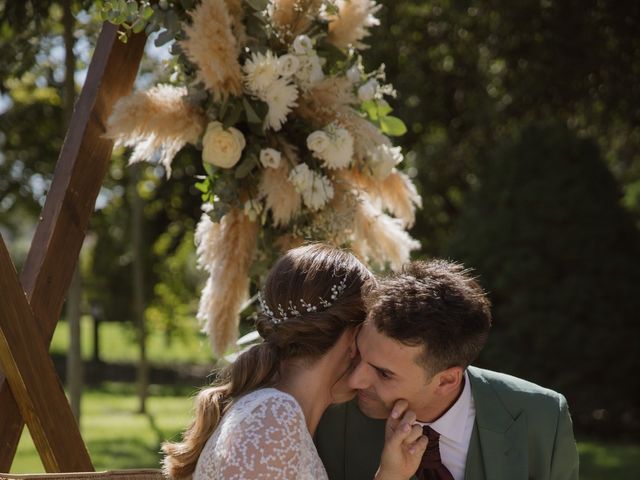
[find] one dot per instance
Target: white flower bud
(302, 44)
(270, 158)
(288, 65)
(368, 90)
(353, 74)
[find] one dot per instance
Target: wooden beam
(81, 167)
(30, 372)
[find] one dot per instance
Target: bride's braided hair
(301, 276)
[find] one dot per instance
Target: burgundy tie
(431, 467)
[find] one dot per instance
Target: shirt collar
(451, 425)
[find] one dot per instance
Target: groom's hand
(404, 444)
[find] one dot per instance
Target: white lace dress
(262, 436)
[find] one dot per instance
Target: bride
(258, 419)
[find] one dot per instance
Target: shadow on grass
(599, 460)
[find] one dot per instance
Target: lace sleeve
(260, 440)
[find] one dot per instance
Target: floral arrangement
(294, 136)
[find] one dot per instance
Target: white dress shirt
(455, 428)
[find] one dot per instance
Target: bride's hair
(331, 280)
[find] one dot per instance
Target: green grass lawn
(117, 437)
(117, 344)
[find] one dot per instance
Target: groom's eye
(383, 374)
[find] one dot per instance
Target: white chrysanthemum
(270, 158)
(302, 45)
(281, 99)
(318, 142)
(288, 65)
(261, 71)
(383, 159)
(301, 177)
(320, 192)
(310, 71)
(368, 90)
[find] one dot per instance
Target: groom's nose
(358, 379)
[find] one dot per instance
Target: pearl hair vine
(291, 310)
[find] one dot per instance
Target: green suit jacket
(522, 431)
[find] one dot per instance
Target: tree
(558, 255)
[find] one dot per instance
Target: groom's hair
(437, 305)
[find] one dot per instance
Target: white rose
(353, 74)
(302, 44)
(288, 65)
(318, 142)
(270, 158)
(383, 159)
(368, 90)
(220, 147)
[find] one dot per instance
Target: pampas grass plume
(158, 120)
(294, 17)
(352, 23)
(379, 238)
(227, 256)
(280, 195)
(211, 45)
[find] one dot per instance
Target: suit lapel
(500, 436)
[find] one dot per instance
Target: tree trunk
(74, 355)
(138, 286)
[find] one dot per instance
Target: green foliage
(131, 15)
(378, 112)
(467, 73)
(558, 255)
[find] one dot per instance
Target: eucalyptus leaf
(257, 5)
(165, 36)
(172, 22)
(233, 116)
(147, 12)
(383, 108)
(371, 109)
(252, 115)
(210, 169)
(392, 126)
(132, 8)
(138, 26)
(245, 166)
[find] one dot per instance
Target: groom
(424, 327)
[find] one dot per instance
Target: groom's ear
(449, 380)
